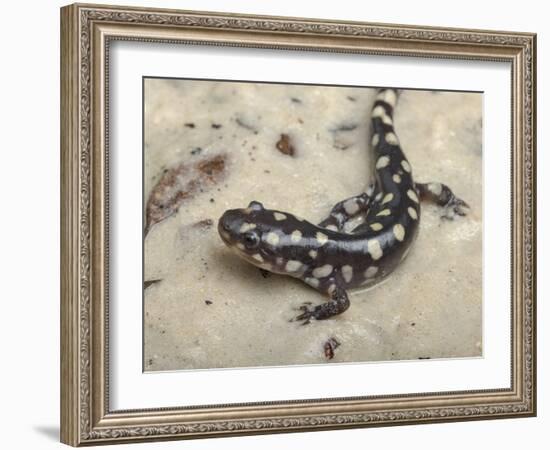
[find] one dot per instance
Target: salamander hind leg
(442, 195)
(337, 304)
(347, 209)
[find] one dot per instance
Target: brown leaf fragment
(179, 184)
(212, 167)
(330, 345)
(149, 283)
(284, 145)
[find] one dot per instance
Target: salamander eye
(251, 239)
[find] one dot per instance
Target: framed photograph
(277, 224)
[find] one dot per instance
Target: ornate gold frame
(86, 31)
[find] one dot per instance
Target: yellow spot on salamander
(412, 195)
(296, 236)
(382, 162)
(347, 273)
(374, 248)
(379, 111)
(323, 271)
(388, 96)
(247, 227)
(293, 265)
(391, 139)
(371, 272)
(272, 238)
(376, 226)
(435, 188)
(399, 232)
(387, 198)
(322, 238)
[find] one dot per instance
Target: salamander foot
(443, 196)
(307, 314)
(454, 207)
(337, 304)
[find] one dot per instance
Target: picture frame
(87, 414)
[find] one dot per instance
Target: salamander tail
(382, 118)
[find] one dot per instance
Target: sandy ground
(212, 310)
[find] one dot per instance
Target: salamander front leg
(337, 304)
(346, 209)
(442, 195)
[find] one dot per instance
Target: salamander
(329, 257)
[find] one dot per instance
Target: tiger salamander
(328, 257)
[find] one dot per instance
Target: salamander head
(261, 236)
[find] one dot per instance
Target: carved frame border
(86, 31)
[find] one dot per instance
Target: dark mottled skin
(324, 256)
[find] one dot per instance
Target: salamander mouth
(224, 234)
